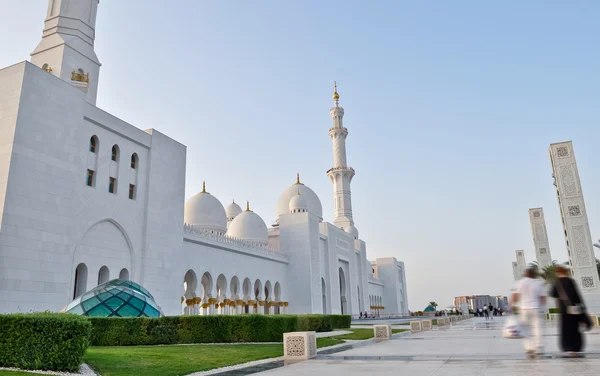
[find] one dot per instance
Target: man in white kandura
(531, 295)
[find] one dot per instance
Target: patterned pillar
(261, 307)
(211, 306)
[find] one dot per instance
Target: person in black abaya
(572, 312)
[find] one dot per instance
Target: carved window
(536, 214)
(543, 251)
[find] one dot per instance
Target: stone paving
(471, 347)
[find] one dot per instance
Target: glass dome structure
(116, 298)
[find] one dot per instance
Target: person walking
(531, 295)
(491, 311)
(485, 312)
(572, 312)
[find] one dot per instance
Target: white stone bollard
(299, 345)
(440, 321)
(383, 331)
(415, 326)
(452, 318)
(426, 325)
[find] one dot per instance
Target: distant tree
(434, 305)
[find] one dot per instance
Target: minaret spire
(67, 46)
(341, 175)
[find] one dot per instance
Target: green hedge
(554, 310)
(114, 331)
(43, 341)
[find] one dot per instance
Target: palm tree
(533, 265)
(549, 273)
(434, 305)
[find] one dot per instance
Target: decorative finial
(233, 201)
(297, 178)
(204, 187)
(336, 96)
(248, 206)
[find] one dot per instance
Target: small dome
(205, 211)
(314, 204)
(116, 298)
(250, 227)
(298, 204)
(232, 211)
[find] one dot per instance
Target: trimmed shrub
(340, 321)
(43, 341)
(117, 331)
(554, 310)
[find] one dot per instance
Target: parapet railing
(222, 238)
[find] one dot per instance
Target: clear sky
(451, 106)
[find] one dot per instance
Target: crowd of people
(488, 312)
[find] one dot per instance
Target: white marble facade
(86, 197)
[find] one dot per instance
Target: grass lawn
(362, 334)
(173, 360)
(17, 373)
(179, 360)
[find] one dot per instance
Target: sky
(451, 107)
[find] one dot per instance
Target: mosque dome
(314, 204)
(232, 211)
(116, 298)
(250, 227)
(205, 211)
(298, 204)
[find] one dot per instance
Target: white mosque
(86, 197)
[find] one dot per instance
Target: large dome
(205, 211)
(232, 211)
(250, 227)
(314, 204)
(116, 298)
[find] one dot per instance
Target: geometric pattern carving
(536, 214)
(295, 346)
(520, 253)
(415, 326)
(562, 151)
(574, 211)
(587, 282)
(580, 246)
(426, 324)
(568, 179)
(382, 331)
(543, 251)
(299, 345)
(540, 234)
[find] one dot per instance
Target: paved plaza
(471, 347)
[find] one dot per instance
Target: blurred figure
(485, 312)
(491, 311)
(572, 312)
(531, 295)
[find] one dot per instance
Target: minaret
(341, 175)
(67, 46)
